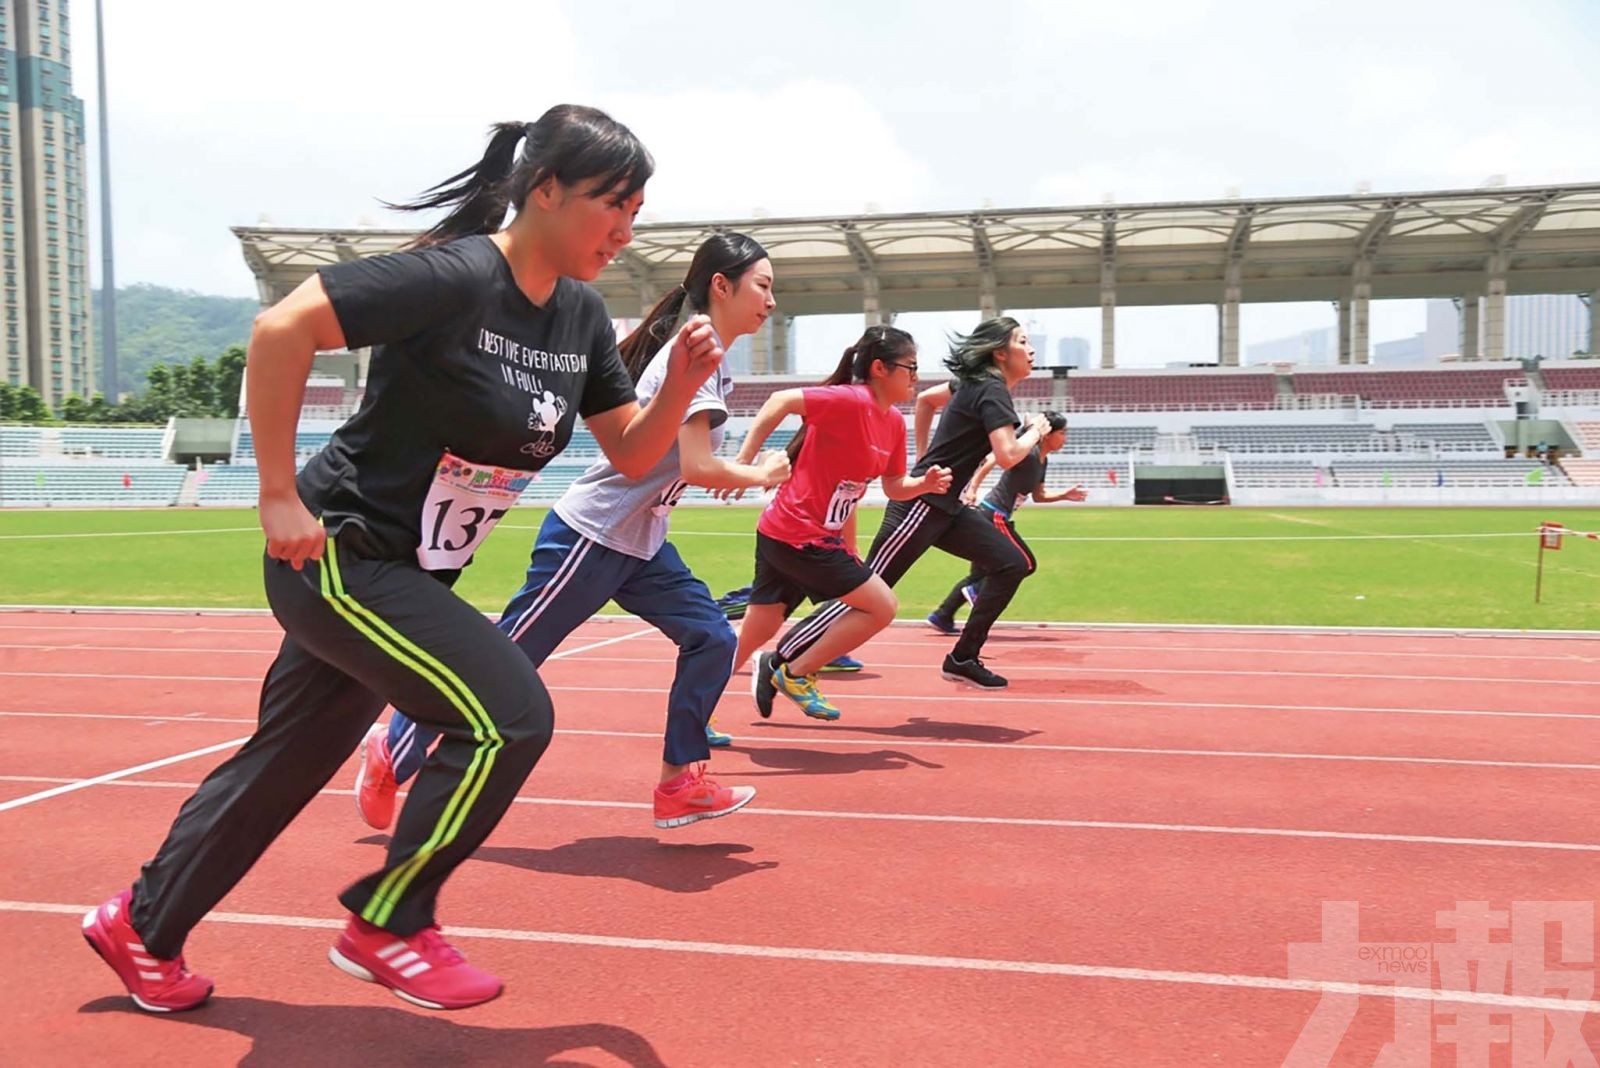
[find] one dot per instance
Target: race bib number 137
(464, 503)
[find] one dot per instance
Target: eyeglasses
(909, 367)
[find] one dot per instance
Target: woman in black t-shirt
(488, 347)
(978, 419)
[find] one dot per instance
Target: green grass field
(1311, 567)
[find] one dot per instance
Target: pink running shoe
(375, 785)
(701, 798)
(155, 985)
(423, 968)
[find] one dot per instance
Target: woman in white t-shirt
(606, 539)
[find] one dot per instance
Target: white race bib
(843, 504)
(464, 503)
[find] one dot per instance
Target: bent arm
(929, 402)
(283, 343)
(778, 407)
(701, 467)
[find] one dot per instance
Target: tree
(230, 380)
(22, 404)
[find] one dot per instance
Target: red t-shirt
(848, 443)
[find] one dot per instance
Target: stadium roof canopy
(1441, 244)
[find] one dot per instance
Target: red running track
(1105, 864)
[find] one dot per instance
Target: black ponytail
(880, 343)
(569, 143)
(728, 254)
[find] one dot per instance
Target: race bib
(464, 503)
(843, 504)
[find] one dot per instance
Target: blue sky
(310, 113)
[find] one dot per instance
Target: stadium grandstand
(1275, 436)
(1482, 429)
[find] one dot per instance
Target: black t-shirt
(961, 440)
(1018, 482)
(466, 369)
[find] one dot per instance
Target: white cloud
(313, 112)
(804, 148)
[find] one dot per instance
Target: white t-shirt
(631, 515)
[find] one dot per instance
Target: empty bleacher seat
(128, 442)
(1331, 437)
(1571, 377)
(1450, 437)
(89, 484)
(1452, 472)
(1399, 389)
(1169, 392)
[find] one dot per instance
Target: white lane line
(1060, 669)
(1033, 822)
(112, 776)
(131, 533)
(923, 699)
(562, 654)
(1000, 649)
(767, 740)
(907, 960)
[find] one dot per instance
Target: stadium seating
(306, 444)
(1120, 392)
(19, 441)
(1588, 435)
(1264, 473)
(1581, 472)
(142, 443)
(229, 484)
(1450, 437)
(1337, 438)
(1398, 389)
(1106, 440)
(1451, 472)
(1571, 377)
(42, 484)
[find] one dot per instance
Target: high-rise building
(43, 217)
(1552, 325)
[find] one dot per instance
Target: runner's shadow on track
(812, 762)
(681, 867)
(921, 727)
(335, 1036)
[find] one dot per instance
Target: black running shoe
(762, 688)
(971, 671)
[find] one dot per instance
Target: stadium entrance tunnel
(1180, 485)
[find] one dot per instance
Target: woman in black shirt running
(978, 419)
(489, 346)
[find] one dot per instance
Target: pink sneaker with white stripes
(422, 968)
(156, 985)
(375, 785)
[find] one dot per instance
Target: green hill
(160, 325)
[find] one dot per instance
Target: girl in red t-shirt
(852, 434)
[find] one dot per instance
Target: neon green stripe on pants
(459, 806)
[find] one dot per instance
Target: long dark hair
(971, 356)
(728, 254)
(880, 343)
(570, 143)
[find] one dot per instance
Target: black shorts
(787, 575)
